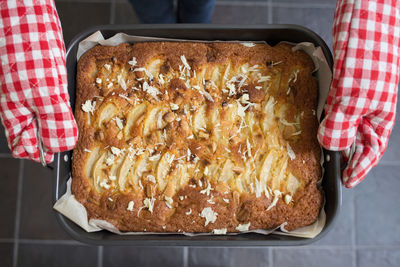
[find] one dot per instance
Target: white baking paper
(75, 211)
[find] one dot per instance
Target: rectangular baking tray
(272, 34)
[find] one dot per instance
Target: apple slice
(91, 160)
(150, 121)
(200, 119)
(133, 115)
(105, 113)
(180, 176)
(279, 173)
(268, 115)
(225, 76)
(292, 184)
(122, 174)
(162, 170)
(154, 66)
(140, 168)
(265, 170)
(227, 173)
(97, 172)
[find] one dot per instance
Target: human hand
(361, 105)
(34, 101)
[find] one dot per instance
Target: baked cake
(197, 137)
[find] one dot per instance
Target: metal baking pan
(272, 34)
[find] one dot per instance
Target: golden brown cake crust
(149, 170)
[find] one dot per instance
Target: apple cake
(197, 137)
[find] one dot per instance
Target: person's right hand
(33, 81)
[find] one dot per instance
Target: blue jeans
(162, 11)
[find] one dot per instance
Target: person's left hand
(361, 106)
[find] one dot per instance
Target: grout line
(322, 247)
(112, 12)
(185, 256)
(100, 256)
(271, 257)
(354, 232)
(378, 247)
(42, 241)
(6, 240)
(49, 242)
(18, 212)
(303, 5)
(274, 4)
(319, 247)
(240, 3)
(270, 13)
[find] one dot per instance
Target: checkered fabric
(34, 101)
(362, 102)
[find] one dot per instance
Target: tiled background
(367, 232)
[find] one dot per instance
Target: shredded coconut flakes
(243, 227)
(209, 215)
(130, 206)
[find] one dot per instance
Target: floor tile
(6, 254)
(76, 17)
(137, 256)
(56, 255)
(320, 20)
(226, 14)
(3, 141)
(125, 14)
(8, 195)
(392, 153)
(343, 229)
(377, 207)
(304, 257)
(38, 219)
(208, 257)
(254, 257)
(378, 257)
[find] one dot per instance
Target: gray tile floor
(367, 232)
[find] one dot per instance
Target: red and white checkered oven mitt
(361, 105)
(34, 101)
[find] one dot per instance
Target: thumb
(57, 126)
(26, 145)
(369, 147)
(337, 130)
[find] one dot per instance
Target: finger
(26, 145)
(57, 127)
(369, 147)
(337, 130)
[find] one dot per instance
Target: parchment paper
(75, 211)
